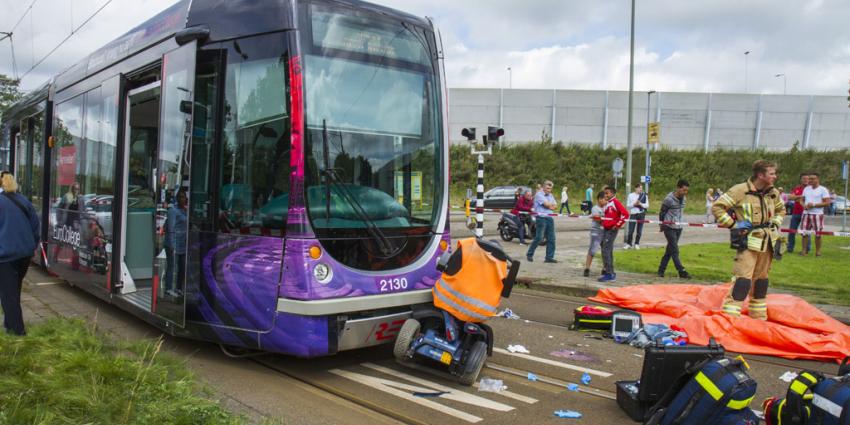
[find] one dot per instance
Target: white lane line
(392, 387)
(553, 363)
(486, 403)
(45, 283)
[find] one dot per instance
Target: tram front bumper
(365, 331)
(354, 304)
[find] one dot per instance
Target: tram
(264, 175)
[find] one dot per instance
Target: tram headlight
(322, 273)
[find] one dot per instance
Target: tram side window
(255, 144)
(22, 157)
(65, 188)
(207, 74)
(37, 160)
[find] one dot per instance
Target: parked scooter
(508, 229)
(435, 336)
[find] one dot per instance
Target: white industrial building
(703, 121)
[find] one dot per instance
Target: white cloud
(680, 46)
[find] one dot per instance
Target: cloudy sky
(576, 44)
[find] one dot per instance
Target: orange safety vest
(473, 293)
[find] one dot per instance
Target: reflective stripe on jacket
(473, 293)
(762, 208)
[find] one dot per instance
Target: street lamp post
(648, 97)
(510, 78)
(784, 83)
(746, 65)
(631, 95)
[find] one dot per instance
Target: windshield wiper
(332, 178)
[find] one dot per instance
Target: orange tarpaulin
(795, 329)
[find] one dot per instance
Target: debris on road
(788, 376)
(572, 387)
(532, 377)
(433, 394)
(518, 349)
(491, 385)
(568, 414)
(508, 314)
(585, 378)
(574, 355)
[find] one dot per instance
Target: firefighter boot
(734, 301)
(758, 300)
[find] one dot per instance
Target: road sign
(654, 132)
(645, 179)
(617, 165)
(844, 169)
(618, 175)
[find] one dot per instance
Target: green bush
(577, 165)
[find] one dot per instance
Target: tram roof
(225, 19)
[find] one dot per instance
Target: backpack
(812, 399)
(715, 392)
(592, 318)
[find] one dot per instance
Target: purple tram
(265, 175)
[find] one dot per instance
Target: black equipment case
(662, 366)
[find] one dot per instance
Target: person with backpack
(19, 233)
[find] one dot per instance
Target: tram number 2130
(392, 284)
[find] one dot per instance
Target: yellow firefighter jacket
(473, 293)
(762, 208)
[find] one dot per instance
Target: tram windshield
(373, 125)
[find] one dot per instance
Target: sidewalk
(566, 277)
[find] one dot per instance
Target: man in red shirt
(521, 212)
(613, 219)
(797, 212)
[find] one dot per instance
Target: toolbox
(662, 365)
(627, 399)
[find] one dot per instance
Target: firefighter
(758, 212)
(473, 282)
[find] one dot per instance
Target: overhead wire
(73, 31)
(23, 16)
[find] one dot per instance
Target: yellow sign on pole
(654, 132)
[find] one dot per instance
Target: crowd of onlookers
(806, 204)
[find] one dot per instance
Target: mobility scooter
(481, 273)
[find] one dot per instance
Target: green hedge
(577, 165)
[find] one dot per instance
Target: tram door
(154, 232)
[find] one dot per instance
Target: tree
(9, 92)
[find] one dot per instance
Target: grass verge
(817, 279)
(64, 372)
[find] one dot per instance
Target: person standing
(709, 199)
(522, 213)
(596, 231)
(544, 204)
(797, 210)
(565, 201)
(615, 215)
(637, 203)
(3, 174)
(587, 205)
(758, 212)
(671, 211)
(816, 197)
(19, 233)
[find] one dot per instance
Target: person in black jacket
(19, 233)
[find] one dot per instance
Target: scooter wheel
(474, 364)
(505, 234)
(409, 331)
